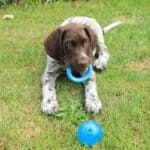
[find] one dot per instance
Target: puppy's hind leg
(103, 55)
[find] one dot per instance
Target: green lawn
(124, 87)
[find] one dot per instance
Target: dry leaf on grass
(8, 17)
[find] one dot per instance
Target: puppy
(74, 43)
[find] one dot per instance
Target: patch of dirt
(142, 65)
(124, 19)
(3, 143)
(4, 111)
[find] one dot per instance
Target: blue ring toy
(81, 79)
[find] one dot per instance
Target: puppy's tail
(109, 27)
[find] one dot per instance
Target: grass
(123, 87)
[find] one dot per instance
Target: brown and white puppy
(73, 44)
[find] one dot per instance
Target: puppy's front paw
(49, 107)
(101, 62)
(93, 105)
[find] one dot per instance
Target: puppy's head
(72, 44)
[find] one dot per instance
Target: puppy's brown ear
(91, 35)
(52, 44)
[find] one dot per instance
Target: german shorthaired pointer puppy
(74, 44)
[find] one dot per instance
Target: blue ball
(90, 133)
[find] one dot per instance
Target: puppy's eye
(70, 44)
(85, 42)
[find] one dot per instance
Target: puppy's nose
(82, 61)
